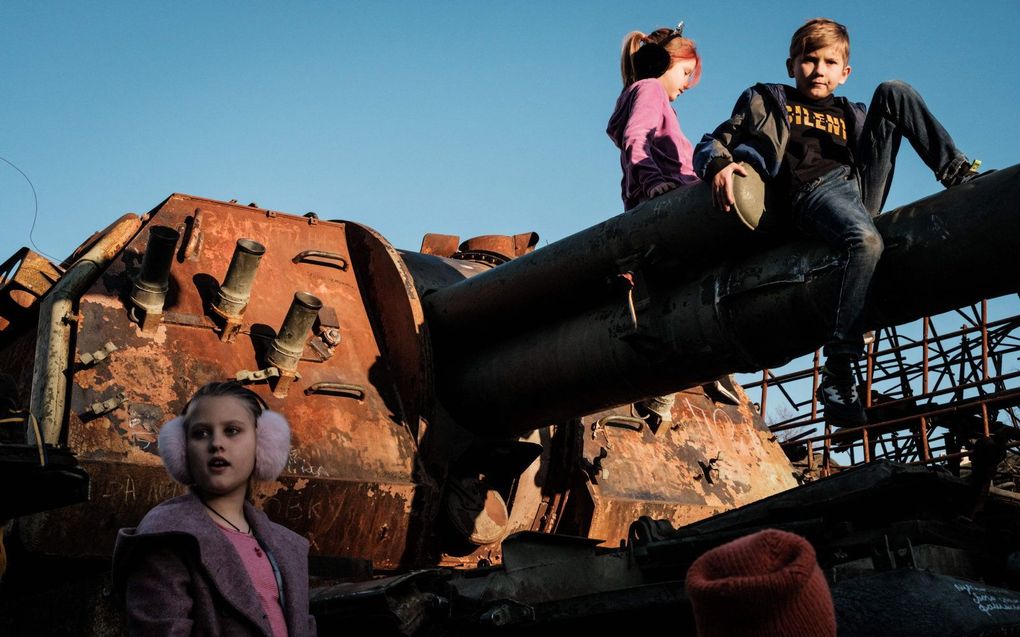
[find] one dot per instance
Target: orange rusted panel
(24, 278)
(350, 483)
(714, 457)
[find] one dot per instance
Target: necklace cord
(220, 516)
(272, 560)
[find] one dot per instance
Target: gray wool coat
(179, 575)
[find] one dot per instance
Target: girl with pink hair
(655, 155)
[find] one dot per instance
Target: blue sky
(463, 118)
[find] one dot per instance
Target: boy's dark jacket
(758, 130)
(187, 579)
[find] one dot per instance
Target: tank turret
(444, 399)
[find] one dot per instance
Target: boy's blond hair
(818, 33)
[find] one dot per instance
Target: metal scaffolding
(933, 396)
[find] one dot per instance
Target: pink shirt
(653, 149)
(262, 578)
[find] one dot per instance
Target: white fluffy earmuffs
(272, 446)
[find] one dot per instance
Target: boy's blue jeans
(831, 208)
(839, 209)
(897, 111)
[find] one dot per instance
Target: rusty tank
(461, 414)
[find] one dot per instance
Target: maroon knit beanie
(767, 584)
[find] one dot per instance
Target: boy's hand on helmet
(722, 186)
(664, 187)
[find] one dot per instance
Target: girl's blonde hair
(675, 46)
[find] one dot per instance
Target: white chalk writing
(987, 601)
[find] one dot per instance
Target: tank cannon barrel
(677, 328)
(680, 228)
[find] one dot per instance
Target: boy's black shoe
(839, 397)
(968, 170)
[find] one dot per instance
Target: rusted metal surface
(502, 247)
(713, 458)
(56, 318)
(24, 278)
(393, 306)
(15, 356)
(477, 512)
(440, 245)
(339, 517)
(349, 485)
(193, 236)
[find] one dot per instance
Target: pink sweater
(262, 578)
(653, 149)
(178, 573)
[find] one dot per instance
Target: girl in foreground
(654, 153)
(209, 562)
